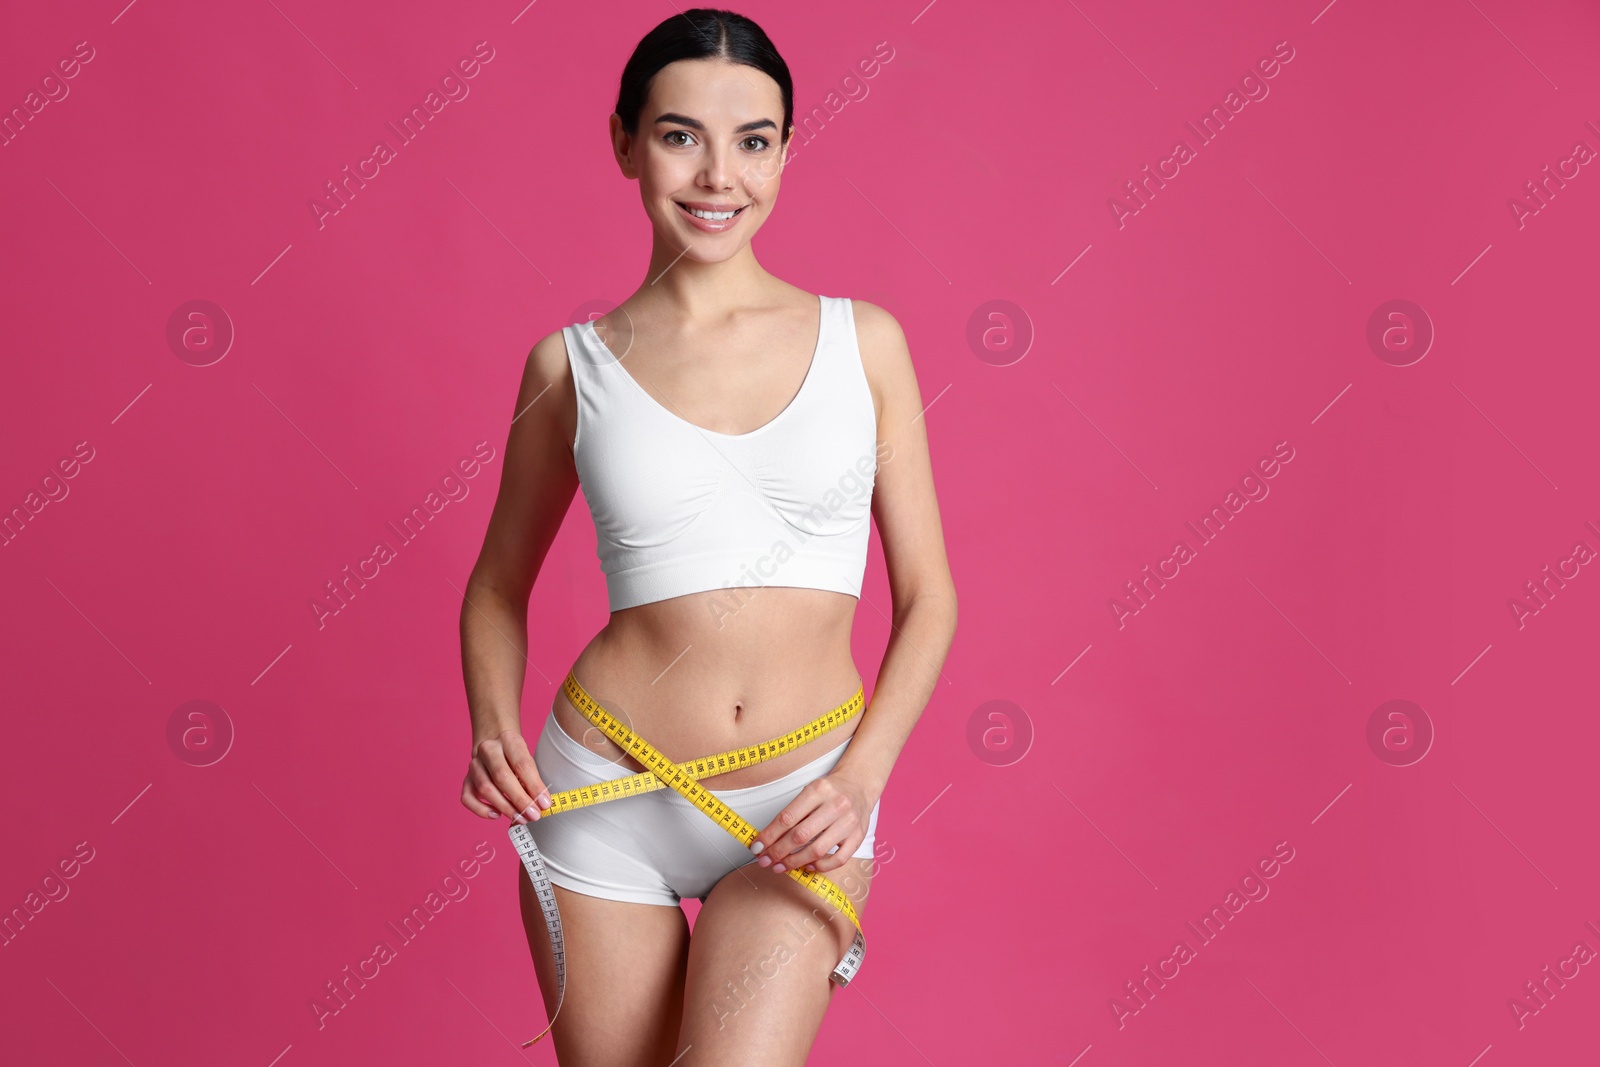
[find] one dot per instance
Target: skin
(724, 345)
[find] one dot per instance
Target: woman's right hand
(502, 779)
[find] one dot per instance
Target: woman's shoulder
(885, 357)
(881, 340)
(547, 376)
(875, 327)
(547, 360)
(870, 318)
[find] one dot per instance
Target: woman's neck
(698, 292)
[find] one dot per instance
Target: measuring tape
(662, 773)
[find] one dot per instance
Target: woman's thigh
(757, 984)
(625, 967)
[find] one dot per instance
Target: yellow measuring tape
(662, 773)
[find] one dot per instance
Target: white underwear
(653, 848)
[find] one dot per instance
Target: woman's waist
(690, 708)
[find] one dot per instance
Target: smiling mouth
(711, 216)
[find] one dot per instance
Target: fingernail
(543, 799)
(777, 868)
(532, 813)
(519, 820)
(763, 861)
(757, 847)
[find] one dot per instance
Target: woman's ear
(622, 148)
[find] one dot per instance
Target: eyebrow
(696, 124)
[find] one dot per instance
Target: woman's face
(708, 141)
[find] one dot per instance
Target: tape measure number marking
(662, 773)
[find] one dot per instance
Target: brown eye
(676, 133)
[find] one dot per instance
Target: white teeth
(715, 216)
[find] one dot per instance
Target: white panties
(653, 848)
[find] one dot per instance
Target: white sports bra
(679, 509)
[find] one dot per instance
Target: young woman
(733, 435)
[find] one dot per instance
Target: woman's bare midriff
(705, 673)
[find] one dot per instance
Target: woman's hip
(654, 846)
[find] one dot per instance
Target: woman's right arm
(537, 484)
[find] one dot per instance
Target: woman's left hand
(832, 810)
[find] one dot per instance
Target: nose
(717, 170)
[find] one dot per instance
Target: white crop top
(679, 509)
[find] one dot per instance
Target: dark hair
(701, 33)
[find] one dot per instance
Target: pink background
(1169, 753)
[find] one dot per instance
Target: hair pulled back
(701, 33)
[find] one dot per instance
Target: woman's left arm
(923, 593)
(923, 623)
